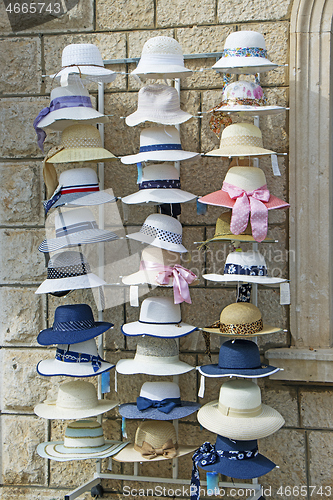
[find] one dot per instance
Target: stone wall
(303, 447)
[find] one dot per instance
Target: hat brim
(240, 278)
(252, 110)
(89, 280)
(215, 371)
(242, 429)
(51, 337)
(129, 454)
(168, 155)
(81, 199)
(62, 118)
(159, 196)
(167, 119)
(51, 411)
(155, 330)
(53, 367)
(163, 71)
(133, 366)
(80, 238)
(236, 237)
(156, 242)
(241, 469)
(240, 151)
(130, 410)
(244, 65)
(93, 73)
(267, 329)
(73, 155)
(54, 450)
(222, 199)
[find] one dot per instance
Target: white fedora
(154, 356)
(159, 184)
(244, 53)
(239, 413)
(75, 227)
(75, 360)
(83, 439)
(159, 317)
(75, 399)
(161, 57)
(158, 103)
(159, 144)
(161, 231)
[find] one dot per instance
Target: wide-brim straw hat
(241, 139)
(75, 399)
(161, 57)
(153, 435)
(159, 144)
(244, 53)
(239, 414)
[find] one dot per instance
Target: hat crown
(67, 259)
(252, 258)
(160, 256)
(240, 313)
(246, 178)
(71, 217)
(83, 434)
(242, 90)
(240, 354)
(240, 395)
(74, 89)
(72, 313)
(81, 136)
(157, 391)
(81, 53)
(241, 129)
(244, 39)
(87, 347)
(78, 177)
(161, 98)
(160, 310)
(77, 395)
(164, 223)
(156, 433)
(159, 172)
(162, 45)
(157, 347)
(159, 135)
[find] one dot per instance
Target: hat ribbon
(61, 190)
(165, 405)
(76, 228)
(160, 147)
(79, 357)
(161, 234)
(62, 102)
(249, 202)
(68, 271)
(245, 52)
(239, 269)
(168, 450)
(182, 278)
(165, 183)
(73, 326)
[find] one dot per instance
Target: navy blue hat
(239, 358)
(72, 324)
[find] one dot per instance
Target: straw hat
(241, 319)
(75, 227)
(69, 271)
(244, 53)
(75, 360)
(83, 59)
(161, 57)
(248, 267)
(159, 104)
(154, 440)
(239, 413)
(241, 139)
(161, 231)
(75, 399)
(83, 439)
(159, 317)
(159, 144)
(159, 401)
(159, 184)
(154, 356)
(80, 142)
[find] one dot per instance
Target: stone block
(124, 14)
(179, 13)
(316, 408)
(38, 493)
(320, 445)
(20, 462)
(253, 11)
(281, 398)
(23, 316)
(189, 131)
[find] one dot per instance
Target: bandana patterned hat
(244, 53)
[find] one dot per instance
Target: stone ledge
(302, 364)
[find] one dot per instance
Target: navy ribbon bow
(165, 406)
(205, 455)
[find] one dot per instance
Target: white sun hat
(75, 399)
(159, 144)
(83, 439)
(158, 103)
(75, 360)
(161, 231)
(244, 53)
(83, 59)
(239, 413)
(161, 57)
(154, 356)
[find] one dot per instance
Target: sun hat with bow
(154, 440)
(159, 401)
(241, 139)
(244, 189)
(154, 356)
(73, 323)
(241, 319)
(75, 399)
(249, 267)
(69, 270)
(159, 317)
(75, 360)
(239, 413)
(244, 53)
(83, 439)
(158, 103)
(83, 59)
(161, 231)
(159, 144)
(161, 57)
(159, 184)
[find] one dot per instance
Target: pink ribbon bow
(182, 278)
(249, 202)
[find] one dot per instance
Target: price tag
(134, 296)
(284, 293)
(275, 165)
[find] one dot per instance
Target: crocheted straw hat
(154, 440)
(161, 57)
(241, 319)
(239, 413)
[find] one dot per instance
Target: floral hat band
(245, 52)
